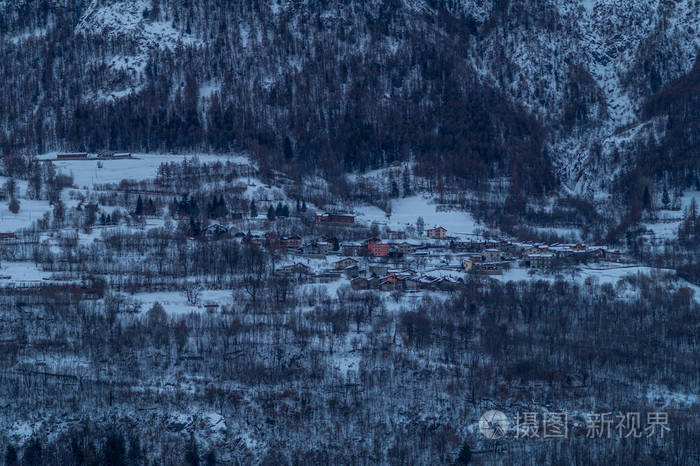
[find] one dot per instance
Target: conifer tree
(11, 456)
(139, 207)
(210, 459)
(222, 210)
(278, 210)
(646, 198)
(114, 453)
(33, 453)
(192, 453)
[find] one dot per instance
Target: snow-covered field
(602, 273)
(666, 227)
(176, 302)
(21, 272)
(143, 166)
(30, 211)
(406, 211)
(87, 173)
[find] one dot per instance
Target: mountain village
(438, 261)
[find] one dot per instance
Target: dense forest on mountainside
(676, 155)
(469, 90)
(302, 90)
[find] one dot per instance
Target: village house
(560, 251)
(297, 270)
(538, 249)
(321, 245)
(487, 268)
(272, 241)
(72, 156)
(336, 219)
(359, 283)
(214, 231)
(437, 233)
(7, 237)
(602, 253)
(328, 276)
(378, 249)
(291, 242)
(405, 247)
(422, 255)
(487, 244)
(351, 249)
(461, 245)
(254, 240)
(351, 272)
(395, 234)
(378, 270)
(491, 255)
(472, 261)
(541, 261)
(389, 283)
(449, 284)
(429, 282)
(409, 283)
(394, 252)
(468, 265)
(614, 256)
(596, 253)
(578, 256)
(515, 249)
(345, 263)
(115, 155)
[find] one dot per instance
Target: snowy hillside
(118, 19)
(615, 44)
(583, 68)
(312, 232)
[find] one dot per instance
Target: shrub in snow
(14, 205)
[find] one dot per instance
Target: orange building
(378, 249)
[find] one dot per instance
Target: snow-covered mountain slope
(626, 48)
(119, 19)
(583, 68)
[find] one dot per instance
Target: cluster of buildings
(436, 261)
(391, 264)
(495, 257)
(375, 276)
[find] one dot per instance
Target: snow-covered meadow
(406, 211)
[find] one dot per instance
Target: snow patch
(406, 211)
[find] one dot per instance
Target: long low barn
(72, 156)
